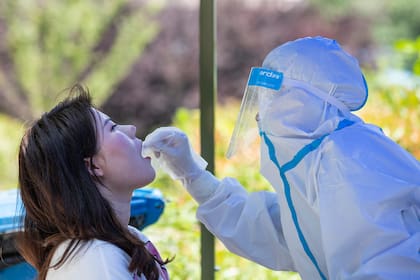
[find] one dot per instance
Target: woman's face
(119, 163)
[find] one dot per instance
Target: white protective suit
(347, 198)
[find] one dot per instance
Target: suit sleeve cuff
(203, 187)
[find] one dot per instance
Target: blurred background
(140, 61)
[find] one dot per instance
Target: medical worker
(347, 198)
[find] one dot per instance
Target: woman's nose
(130, 130)
(133, 130)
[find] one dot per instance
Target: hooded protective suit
(347, 199)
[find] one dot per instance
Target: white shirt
(97, 260)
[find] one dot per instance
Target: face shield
(314, 65)
(262, 85)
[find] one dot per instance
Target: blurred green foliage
(54, 44)
(10, 133)
(396, 19)
(48, 46)
(391, 19)
(410, 49)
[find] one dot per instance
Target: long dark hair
(61, 200)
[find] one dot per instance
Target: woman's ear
(93, 167)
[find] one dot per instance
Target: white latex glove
(170, 150)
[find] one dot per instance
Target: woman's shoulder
(93, 248)
(138, 234)
(86, 249)
(91, 258)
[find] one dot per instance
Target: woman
(77, 172)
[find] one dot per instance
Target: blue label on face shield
(265, 78)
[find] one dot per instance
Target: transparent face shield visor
(262, 84)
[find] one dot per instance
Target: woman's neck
(120, 203)
(122, 210)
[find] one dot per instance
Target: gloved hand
(170, 150)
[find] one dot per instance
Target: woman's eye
(113, 127)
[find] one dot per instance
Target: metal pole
(208, 89)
